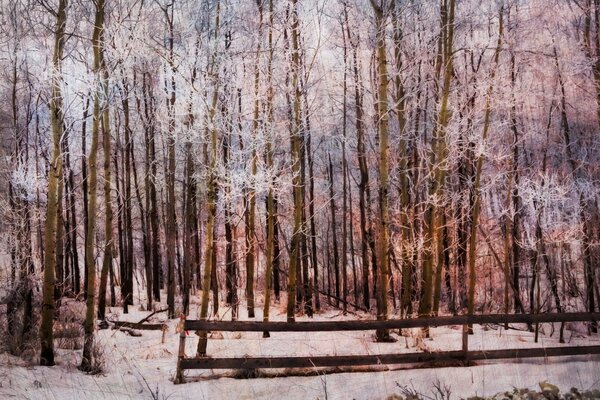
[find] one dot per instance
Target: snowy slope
(143, 367)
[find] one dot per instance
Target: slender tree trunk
(98, 48)
(56, 121)
(127, 209)
(328, 259)
(151, 163)
(345, 171)
(214, 284)
(439, 240)
(144, 206)
(364, 175)
(403, 159)
(336, 257)
(231, 266)
(351, 238)
(190, 226)
(513, 253)
(312, 217)
(108, 222)
(170, 224)
(440, 151)
(507, 242)
(382, 130)
(270, 206)
(59, 286)
(307, 289)
(84, 184)
(477, 185)
(276, 252)
(121, 241)
(15, 298)
(230, 258)
(72, 223)
(84, 187)
(589, 269)
(295, 137)
(251, 195)
(211, 195)
(191, 201)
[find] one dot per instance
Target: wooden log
(137, 325)
(366, 325)
(356, 360)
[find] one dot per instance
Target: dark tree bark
(336, 257)
(90, 262)
(56, 120)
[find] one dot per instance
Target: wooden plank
(366, 325)
(357, 360)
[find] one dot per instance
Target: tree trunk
(251, 216)
(211, 196)
(71, 223)
(270, 206)
(439, 153)
(191, 201)
(336, 262)
(589, 269)
(295, 138)
(364, 175)
(382, 130)
(127, 209)
(477, 185)
(87, 361)
(312, 216)
(122, 242)
(307, 289)
(151, 162)
(351, 238)
(345, 171)
(276, 252)
(59, 286)
(170, 223)
(56, 121)
(108, 222)
(403, 160)
(231, 266)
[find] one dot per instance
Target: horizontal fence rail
(358, 360)
(366, 325)
(463, 355)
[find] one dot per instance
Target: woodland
(400, 158)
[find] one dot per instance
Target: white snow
(143, 367)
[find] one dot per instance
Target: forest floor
(144, 367)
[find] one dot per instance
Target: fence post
(465, 343)
(181, 352)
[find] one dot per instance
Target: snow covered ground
(143, 367)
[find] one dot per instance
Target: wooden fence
(184, 363)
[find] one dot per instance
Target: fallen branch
(140, 326)
(130, 331)
(151, 315)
